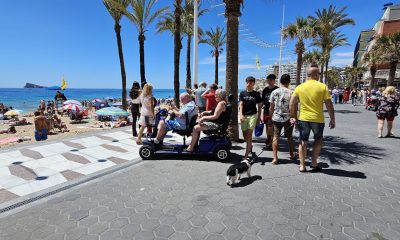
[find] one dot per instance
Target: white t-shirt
(280, 98)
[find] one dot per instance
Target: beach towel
(9, 140)
(41, 135)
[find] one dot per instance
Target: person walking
(147, 111)
(387, 109)
(311, 95)
(266, 93)
(249, 112)
(279, 109)
(354, 96)
(135, 105)
(335, 94)
(201, 102)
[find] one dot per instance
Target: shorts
(41, 135)
(389, 119)
(146, 120)
(288, 129)
(211, 125)
(249, 122)
(306, 127)
(173, 125)
(267, 119)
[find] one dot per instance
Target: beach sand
(27, 131)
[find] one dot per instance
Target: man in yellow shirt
(312, 95)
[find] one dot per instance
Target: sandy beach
(27, 131)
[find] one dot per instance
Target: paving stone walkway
(356, 196)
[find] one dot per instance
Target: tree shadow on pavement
(343, 173)
(339, 150)
(344, 111)
(246, 181)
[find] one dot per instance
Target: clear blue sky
(42, 40)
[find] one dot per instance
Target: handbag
(258, 130)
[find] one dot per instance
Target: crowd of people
(384, 100)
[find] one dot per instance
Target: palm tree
(177, 48)
(313, 57)
(142, 17)
(216, 39)
(389, 46)
(187, 29)
(232, 14)
(325, 23)
(351, 75)
(117, 14)
(372, 58)
(300, 30)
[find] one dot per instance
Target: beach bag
(258, 130)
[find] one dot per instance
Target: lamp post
(196, 40)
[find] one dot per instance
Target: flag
(63, 83)
(258, 63)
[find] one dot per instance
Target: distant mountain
(31, 85)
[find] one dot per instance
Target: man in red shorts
(267, 118)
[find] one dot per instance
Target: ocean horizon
(28, 99)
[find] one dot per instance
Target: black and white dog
(234, 171)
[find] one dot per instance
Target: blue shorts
(41, 135)
(306, 127)
(173, 124)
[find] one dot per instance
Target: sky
(43, 40)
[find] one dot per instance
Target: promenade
(96, 187)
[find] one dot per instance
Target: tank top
(221, 117)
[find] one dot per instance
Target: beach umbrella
(76, 102)
(73, 107)
(13, 112)
(117, 104)
(112, 111)
(100, 104)
(97, 100)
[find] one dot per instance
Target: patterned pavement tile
(6, 196)
(31, 153)
(70, 175)
(75, 158)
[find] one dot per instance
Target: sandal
(294, 157)
(316, 168)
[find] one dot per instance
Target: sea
(28, 99)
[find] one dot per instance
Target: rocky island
(31, 85)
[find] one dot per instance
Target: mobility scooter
(216, 142)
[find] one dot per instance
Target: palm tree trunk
(326, 70)
(117, 29)
(372, 70)
(141, 52)
(299, 64)
(392, 73)
(188, 73)
(216, 68)
(321, 76)
(177, 49)
(232, 13)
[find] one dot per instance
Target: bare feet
(139, 142)
(275, 162)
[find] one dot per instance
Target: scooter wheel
(222, 153)
(146, 152)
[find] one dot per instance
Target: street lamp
(196, 40)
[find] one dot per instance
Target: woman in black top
(135, 105)
(209, 120)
